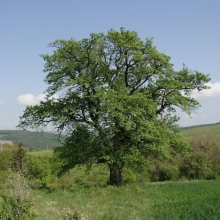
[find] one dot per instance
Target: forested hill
(31, 139)
(48, 140)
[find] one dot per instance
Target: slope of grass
(41, 152)
(48, 140)
(180, 200)
(31, 139)
(212, 129)
(45, 141)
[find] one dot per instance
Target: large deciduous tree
(117, 100)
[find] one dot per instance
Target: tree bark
(115, 174)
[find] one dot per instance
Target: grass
(95, 203)
(190, 200)
(41, 152)
(169, 200)
(212, 129)
(31, 139)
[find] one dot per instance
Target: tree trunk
(115, 174)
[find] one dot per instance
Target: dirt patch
(4, 142)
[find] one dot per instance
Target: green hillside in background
(47, 140)
(30, 139)
(189, 132)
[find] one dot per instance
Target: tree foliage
(6, 155)
(117, 98)
(207, 143)
(39, 169)
(194, 165)
(18, 163)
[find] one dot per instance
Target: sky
(188, 31)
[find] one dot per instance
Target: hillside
(196, 126)
(31, 139)
(214, 129)
(48, 140)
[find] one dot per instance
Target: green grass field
(41, 153)
(168, 200)
(212, 129)
(162, 200)
(30, 139)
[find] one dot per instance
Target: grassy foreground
(168, 200)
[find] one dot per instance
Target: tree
(19, 159)
(194, 165)
(117, 99)
(207, 143)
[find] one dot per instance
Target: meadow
(198, 199)
(167, 200)
(189, 132)
(83, 195)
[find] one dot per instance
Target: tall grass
(170, 200)
(189, 200)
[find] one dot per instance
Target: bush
(102, 181)
(168, 172)
(6, 155)
(11, 209)
(17, 202)
(163, 171)
(39, 170)
(194, 166)
(128, 176)
(95, 179)
(210, 175)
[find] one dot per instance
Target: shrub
(168, 172)
(194, 165)
(38, 170)
(6, 155)
(128, 176)
(96, 179)
(18, 162)
(210, 175)
(17, 202)
(102, 181)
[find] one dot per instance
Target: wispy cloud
(213, 92)
(208, 112)
(30, 99)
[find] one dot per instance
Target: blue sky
(188, 31)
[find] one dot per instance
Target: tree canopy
(118, 97)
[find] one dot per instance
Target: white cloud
(208, 113)
(214, 91)
(30, 99)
